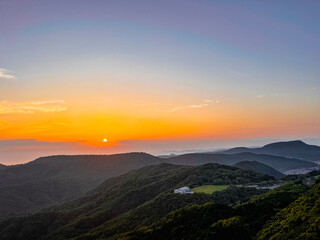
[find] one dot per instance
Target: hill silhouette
(2, 166)
(106, 210)
(292, 149)
(259, 168)
(52, 180)
(47, 181)
(279, 163)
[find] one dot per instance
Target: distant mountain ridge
(259, 168)
(279, 163)
(293, 149)
(2, 166)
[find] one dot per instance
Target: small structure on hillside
(183, 190)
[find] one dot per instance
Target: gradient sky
(156, 76)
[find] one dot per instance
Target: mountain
(121, 204)
(259, 168)
(47, 181)
(292, 149)
(2, 166)
(300, 220)
(281, 164)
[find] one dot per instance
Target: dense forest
(141, 205)
(135, 189)
(300, 220)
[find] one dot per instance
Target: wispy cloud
(48, 102)
(51, 106)
(211, 101)
(189, 106)
(154, 103)
(4, 74)
(206, 103)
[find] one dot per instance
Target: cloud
(4, 74)
(51, 106)
(48, 102)
(206, 103)
(189, 106)
(211, 101)
(155, 103)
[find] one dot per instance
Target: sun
(105, 140)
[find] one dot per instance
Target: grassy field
(209, 188)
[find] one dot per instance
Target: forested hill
(300, 220)
(107, 210)
(47, 181)
(215, 221)
(259, 168)
(53, 180)
(2, 166)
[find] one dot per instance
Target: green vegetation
(208, 189)
(140, 197)
(259, 168)
(47, 181)
(212, 221)
(232, 228)
(308, 179)
(216, 174)
(184, 224)
(300, 220)
(141, 205)
(262, 208)
(53, 180)
(233, 195)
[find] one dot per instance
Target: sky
(156, 76)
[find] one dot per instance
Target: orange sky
(206, 119)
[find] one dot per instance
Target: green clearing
(208, 189)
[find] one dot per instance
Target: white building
(183, 190)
